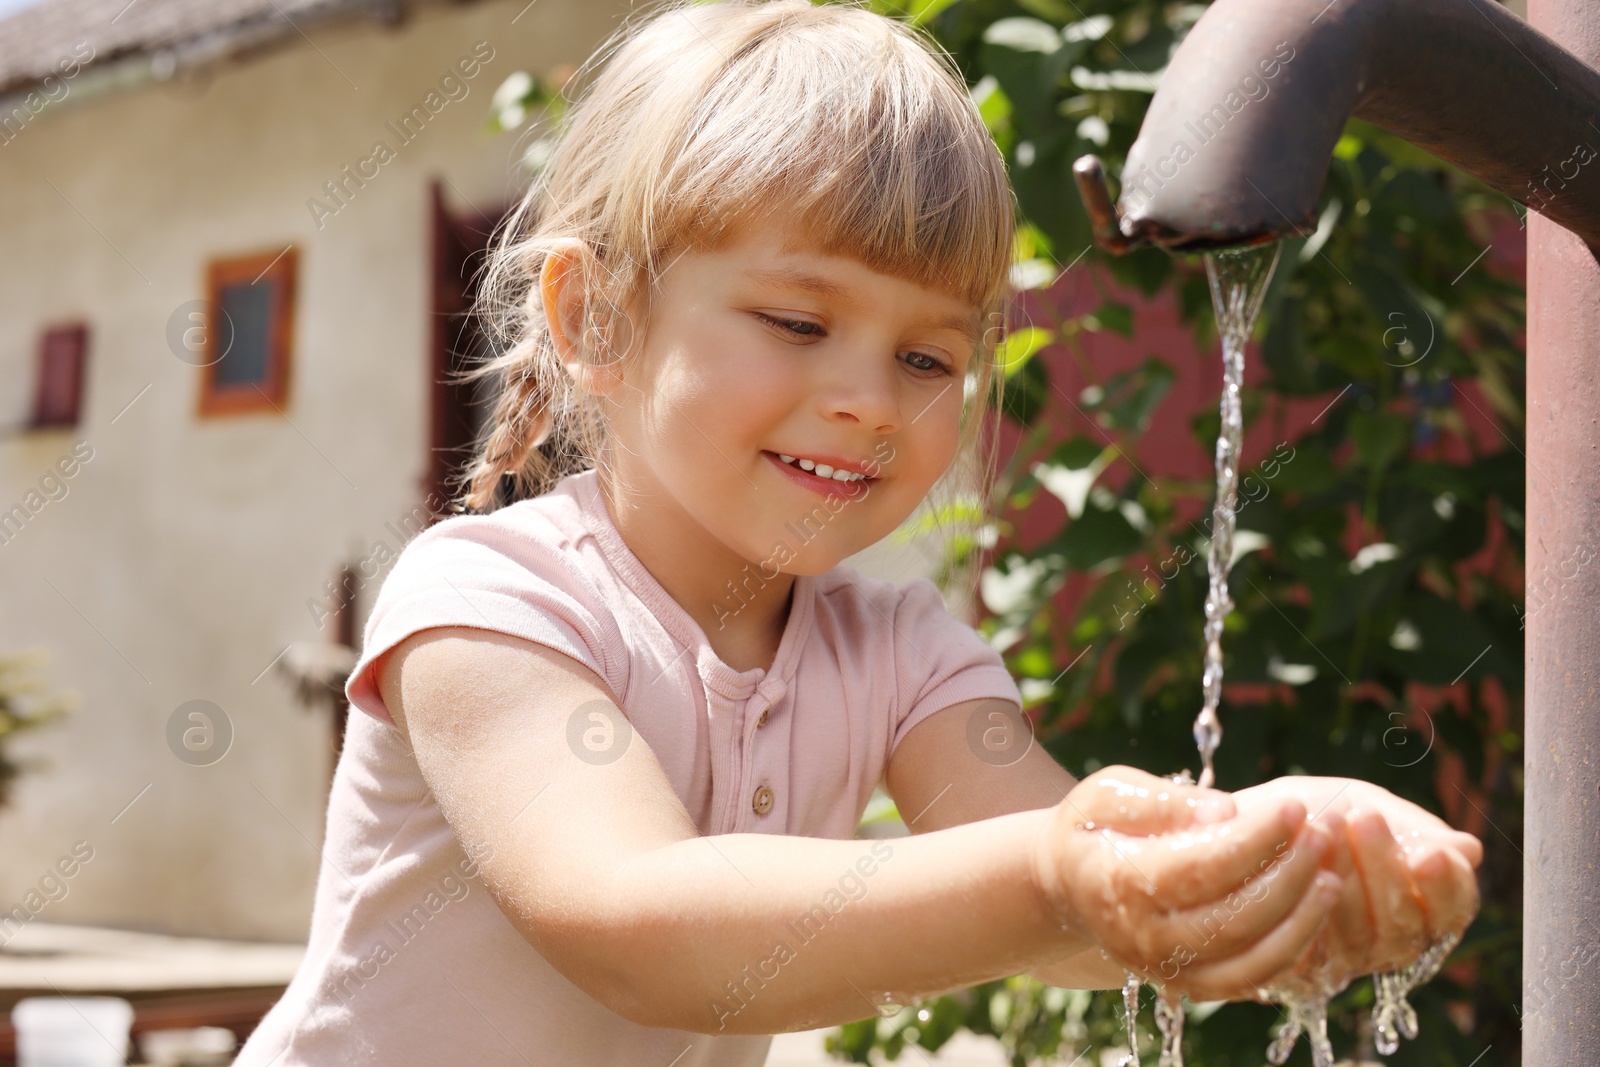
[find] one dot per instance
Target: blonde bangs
(834, 114)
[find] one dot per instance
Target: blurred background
(237, 244)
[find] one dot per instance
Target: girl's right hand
(1178, 887)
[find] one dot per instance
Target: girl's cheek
(920, 461)
(940, 439)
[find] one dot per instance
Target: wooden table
(172, 982)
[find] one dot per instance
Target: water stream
(1238, 284)
(1130, 1014)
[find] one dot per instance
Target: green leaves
(916, 12)
(1113, 316)
(27, 702)
(1379, 438)
(1102, 532)
(1030, 59)
(1019, 347)
(1127, 400)
(1023, 35)
(1376, 629)
(1071, 471)
(1436, 642)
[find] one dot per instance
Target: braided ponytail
(543, 426)
(521, 421)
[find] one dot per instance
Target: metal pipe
(1235, 147)
(1222, 160)
(1560, 883)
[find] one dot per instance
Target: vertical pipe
(1561, 866)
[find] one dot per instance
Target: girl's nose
(865, 391)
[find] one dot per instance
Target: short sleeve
(497, 572)
(941, 660)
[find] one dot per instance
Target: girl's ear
(568, 306)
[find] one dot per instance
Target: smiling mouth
(823, 471)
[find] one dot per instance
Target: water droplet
(887, 1004)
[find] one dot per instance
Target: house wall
(181, 559)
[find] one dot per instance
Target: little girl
(616, 737)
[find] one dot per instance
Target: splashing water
(1391, 1010)
(1169, 1020)
(1392, 1014)
(1308, 1015)
(1238, 284)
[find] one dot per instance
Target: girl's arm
(938, 781)
(598, 865)
(1400, 886)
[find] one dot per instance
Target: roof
(41, 40)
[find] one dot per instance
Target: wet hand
(1182, 887)
(1408, 878)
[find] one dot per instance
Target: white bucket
(72, 1031)
(202, 1046)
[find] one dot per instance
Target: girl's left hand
(1407, 876)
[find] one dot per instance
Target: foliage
(1377, 581)
(25, 704)
(521, 96)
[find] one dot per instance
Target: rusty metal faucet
(1235, 147)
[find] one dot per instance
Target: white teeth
(823, 470)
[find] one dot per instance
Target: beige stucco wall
(181, 558)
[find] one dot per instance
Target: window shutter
(60, 394)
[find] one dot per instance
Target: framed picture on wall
(247, 341)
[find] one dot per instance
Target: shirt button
(762, 801)
(763, 720)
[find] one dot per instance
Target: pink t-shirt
(410, 961)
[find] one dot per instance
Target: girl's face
(791, 406)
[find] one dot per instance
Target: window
(60, 393)
(250, 312)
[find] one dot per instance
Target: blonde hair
(709, 115)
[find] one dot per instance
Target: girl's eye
(790, 325)
(924, 363)
(920, 362)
